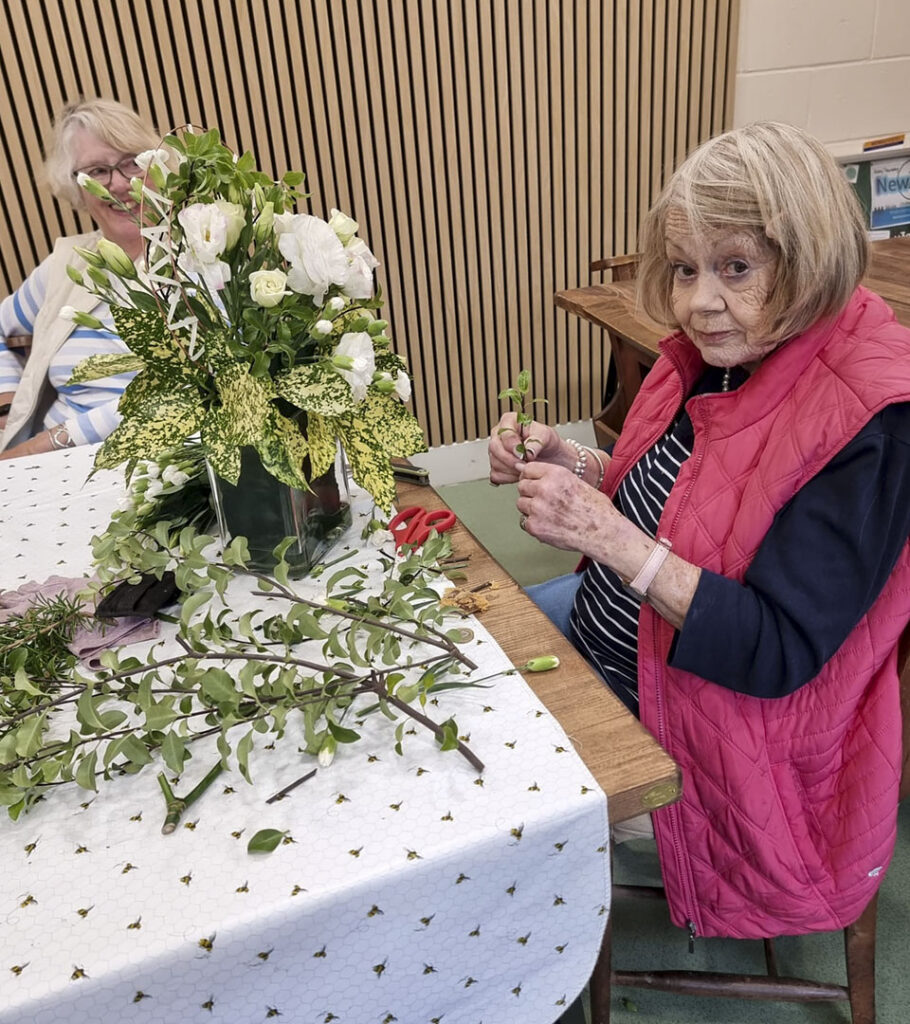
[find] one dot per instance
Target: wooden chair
(859, 940)
(628, 362)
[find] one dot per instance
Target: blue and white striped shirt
(88, 410)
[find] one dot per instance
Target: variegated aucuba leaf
(390, 362)
(146, 334)
(96, 367)
(162, 425)
(323, 443)
(220, 445)
(147, 390)
(283, 449)
(245, 402)
(379, 428)
(316, 387)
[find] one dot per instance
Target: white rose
(236, 221)
(355, 360)
(343, 226)
(267, 287)
(361, 263)
(316, 255)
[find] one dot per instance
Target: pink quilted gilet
(787, 820)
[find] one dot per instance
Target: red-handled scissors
(412, 525)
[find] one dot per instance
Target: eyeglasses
(103, 173)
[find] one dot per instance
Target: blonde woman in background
(38, 410)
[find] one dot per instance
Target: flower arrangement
(243, 316)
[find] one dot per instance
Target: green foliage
(518, 396)
(240, 679)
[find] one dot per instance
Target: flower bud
(90, 256)
(73, 274)
(116, 259)
(264, 222)
(542, 663)
(343, 362)
(322, 327)
(327, 751)
(86, 320)
(100, 277)
(66, 313)
(94, 188)
(377, 327)
(383, 383)
(359, 325)
(335, 304)
(345, 227)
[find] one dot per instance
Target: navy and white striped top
(819, 569)
(605, 617)
(89, 410)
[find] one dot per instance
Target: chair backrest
(623, 268)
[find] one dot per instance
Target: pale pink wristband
(644, 579)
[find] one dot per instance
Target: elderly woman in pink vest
(746, 566)
(39, 411)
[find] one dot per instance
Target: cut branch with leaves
(518, 396)
(316, 669)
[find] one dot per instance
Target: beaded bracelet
(581, 457)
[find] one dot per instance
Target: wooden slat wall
(489, 148)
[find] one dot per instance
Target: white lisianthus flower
(343, 226)
(236, 221)
(67, 313)
(205, 231)
(154, 488)
(267, 287)
(361, 263)
(282, 222)
(335, 304)
(403, 386)
(355, 360)
(174, 476)
(316, 255)
(152, 470)
(159, 158)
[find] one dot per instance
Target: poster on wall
(890, 192)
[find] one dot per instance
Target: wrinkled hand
(542, 442)
(559, 509)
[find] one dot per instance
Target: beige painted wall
(838, 68)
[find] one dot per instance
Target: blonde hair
(780, 184)
(111, 122)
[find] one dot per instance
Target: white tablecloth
(408, 889)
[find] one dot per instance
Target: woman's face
(721, 282)
(120, 226)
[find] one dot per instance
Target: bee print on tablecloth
(207, 944)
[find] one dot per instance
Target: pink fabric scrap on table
(88, 641)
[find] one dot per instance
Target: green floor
(642, 935)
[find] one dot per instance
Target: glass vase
(266, 511)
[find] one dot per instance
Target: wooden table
(631, 767)
(634, 336)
